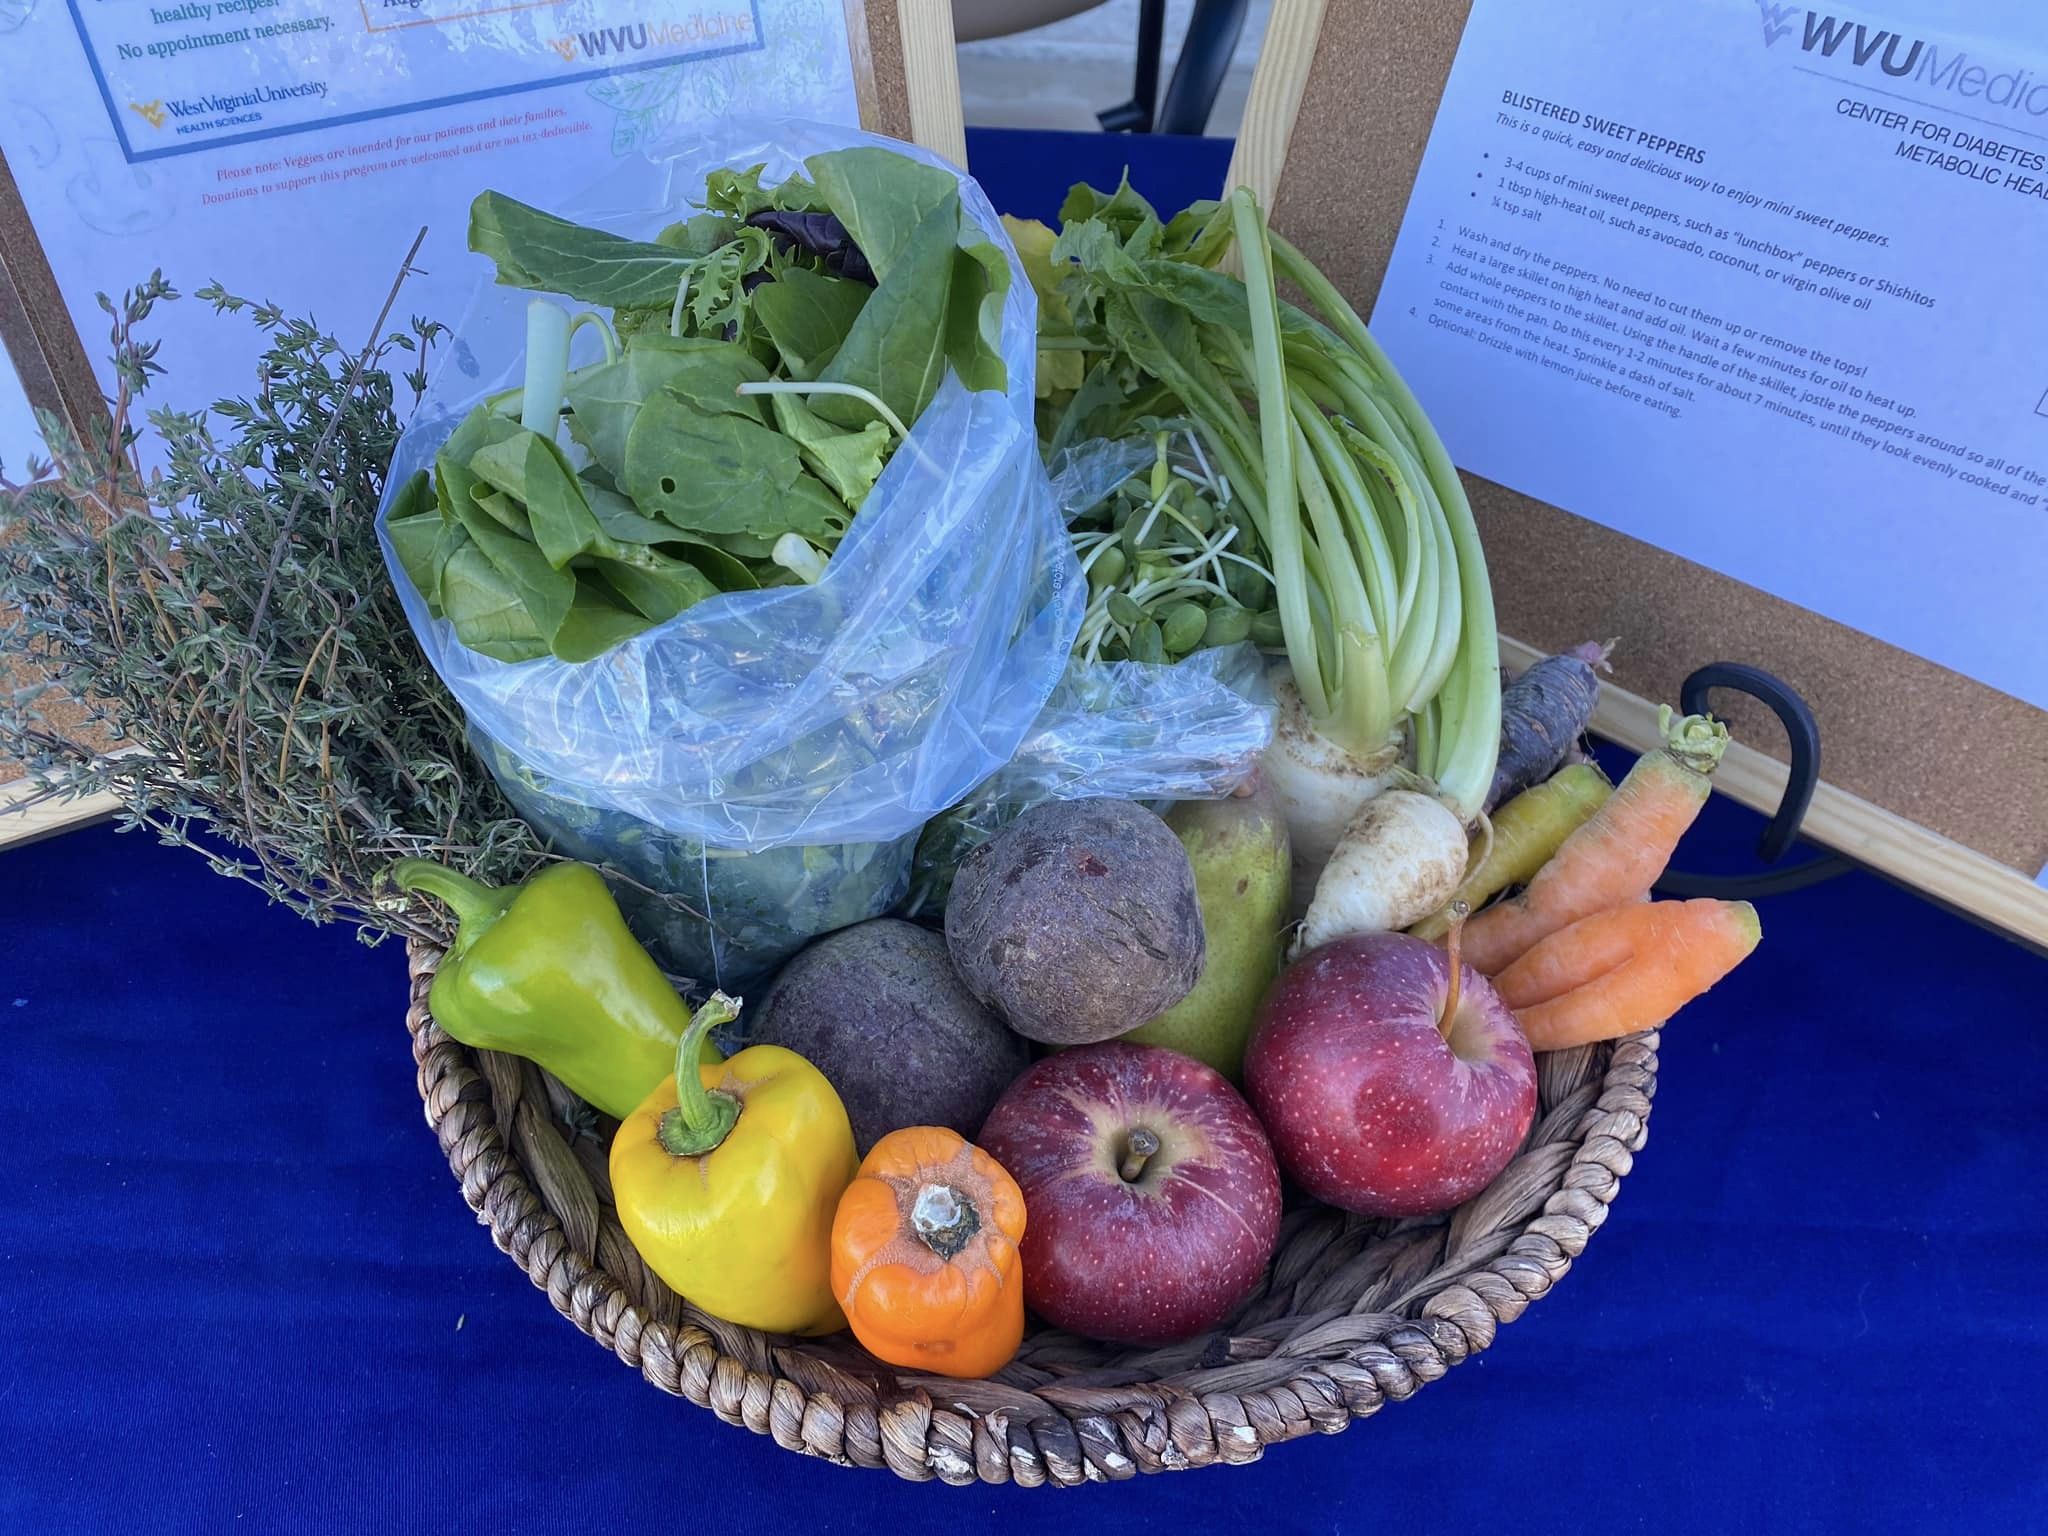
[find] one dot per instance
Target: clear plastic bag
(1126, 730)
(1191, 730)
(831, 720)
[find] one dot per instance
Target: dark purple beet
(1078, 921)
(877, 1009)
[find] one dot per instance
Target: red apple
(1152, 1192)
(1384, 1094)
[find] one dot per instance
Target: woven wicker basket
(1352, 1312)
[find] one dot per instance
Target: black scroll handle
(1802, 733)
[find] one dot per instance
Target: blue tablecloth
(239, 1291)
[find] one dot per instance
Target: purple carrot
(1542, 714)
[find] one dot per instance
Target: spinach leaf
(897, 347)
(891, 206)
(726, 570)
(453, 481)
(622, 522)
(507, 511)
(882, 198)
(604, 400)
(537, 250)
(625, 525)
(700, 234)
(544, 589)
(741, 546)
(531, 470)
(488, 610)
(807, 316)
(709, 377)
(415, 523)
(656, 585)
(594, 624)
(799, 195)
(974, 315)
(848, 462)
(723, 473)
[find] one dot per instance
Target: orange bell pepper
(924, 1255)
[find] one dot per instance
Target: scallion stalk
(547, 367)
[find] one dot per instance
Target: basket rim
(1337, 1366)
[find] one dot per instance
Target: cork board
(905, 80)
(1356, 84)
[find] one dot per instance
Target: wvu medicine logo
(151, 112)
(1777, 19)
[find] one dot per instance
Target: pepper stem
(1139, 1149)
(702, 1118)
(475, 905)
(943, 1219)
(1459, 911)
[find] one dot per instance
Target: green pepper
(548, 970)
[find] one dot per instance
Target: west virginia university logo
(1777, 19)
(151, 112)
(566, 47)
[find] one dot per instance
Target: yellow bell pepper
(727, 1177)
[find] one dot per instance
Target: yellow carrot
(1526, 832)
(1625, 970)
(1616, 856)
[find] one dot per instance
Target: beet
(1078, 921)
(878, 1010)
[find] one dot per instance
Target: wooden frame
(1391, 100)
(31, 823)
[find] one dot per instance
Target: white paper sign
(1763, 285)
(292, 149)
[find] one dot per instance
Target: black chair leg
(1135, 115)
(1198, 74)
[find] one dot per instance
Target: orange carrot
(1616, 856)
(1625, 970)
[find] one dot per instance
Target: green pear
(1239, 851)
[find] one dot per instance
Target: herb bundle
(228, 627)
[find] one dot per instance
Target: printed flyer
(1759, 284)
(292, 149)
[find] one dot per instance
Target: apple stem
(1459, 912)
(1139, 1148)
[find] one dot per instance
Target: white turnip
(1321, 788)
(1399, 860)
